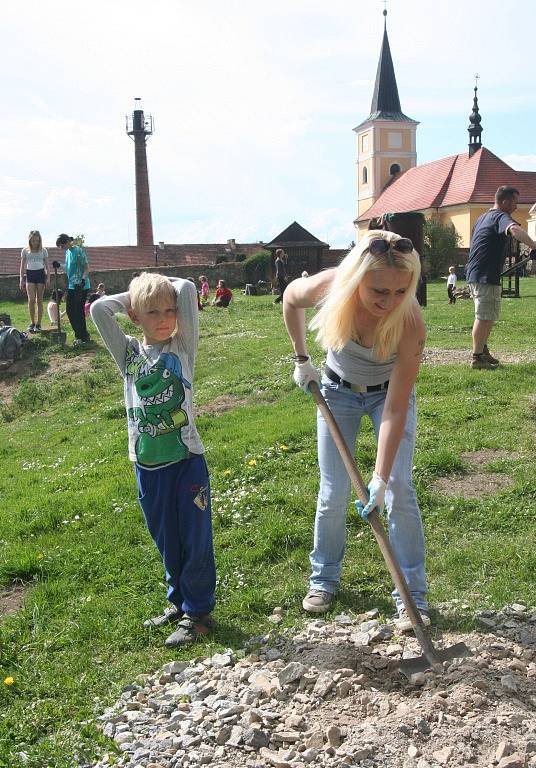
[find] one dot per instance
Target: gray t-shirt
(157, 380)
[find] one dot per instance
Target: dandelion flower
(226, 471)
(252, 462)
(283, 447)
(9, 680)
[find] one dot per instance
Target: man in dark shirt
(489, 241)
(280, 274)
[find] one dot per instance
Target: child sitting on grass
(168, 456)
(223, 295)
(52, 306)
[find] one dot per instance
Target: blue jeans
(403, 514)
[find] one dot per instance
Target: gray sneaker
(170, 615)
(317, 601)
(403, 621)
(189, 629)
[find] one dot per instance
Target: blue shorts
(36, 276)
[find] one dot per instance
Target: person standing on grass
(487, 252)
(168, 455)
(371, 326)
(77, 271)
(280, 274)
(35, 277)
(451, 285)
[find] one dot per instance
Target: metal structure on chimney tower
(139, 127)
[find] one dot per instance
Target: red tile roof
(455, 180)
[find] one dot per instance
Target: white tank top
(358, 365)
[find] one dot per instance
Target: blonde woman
(34, 276)
(370, 324)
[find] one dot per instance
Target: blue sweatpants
(175, 501)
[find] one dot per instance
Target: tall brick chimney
(139, 128)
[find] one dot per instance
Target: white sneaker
(317, 601)
(403, 621)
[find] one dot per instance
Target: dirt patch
(11, 599)
(432, 356)
(475, 485)
(58, 364)
(221, 404)
(472, 486)
(487, 456)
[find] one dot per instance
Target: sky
(253, 106)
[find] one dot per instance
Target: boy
(168, 456)
(451, 285)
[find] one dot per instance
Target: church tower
(386, 140)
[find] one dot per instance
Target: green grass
(71, 530)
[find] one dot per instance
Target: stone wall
(117, 280)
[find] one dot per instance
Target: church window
(365, 175)
(364, 143)
(395, 168)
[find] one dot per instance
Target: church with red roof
(456, 189)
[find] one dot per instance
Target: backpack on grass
(10, 343)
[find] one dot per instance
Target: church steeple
(386, 143)
(385, 98)
(475, 129)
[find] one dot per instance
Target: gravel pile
(332, 695)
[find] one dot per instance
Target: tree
(440, 248)
(80, 240)
(257, 266)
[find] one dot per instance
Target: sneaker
(170, 615)
(31, 328)
(317, 601)
(189, 629)
(77, 343)
(403, 621)
(480, 361)
(37, 328)
(488, 356)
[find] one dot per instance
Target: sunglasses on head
(379, 246)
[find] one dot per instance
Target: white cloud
(521, 162)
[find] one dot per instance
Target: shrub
(441, 243)
(240, 257)
(221, 259)
(258, 266)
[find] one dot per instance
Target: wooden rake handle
(376, 525)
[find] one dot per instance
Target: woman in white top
(34, 275)
(370, 324)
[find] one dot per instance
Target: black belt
(354, 387)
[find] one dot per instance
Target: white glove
(376, 489)
(305, 373)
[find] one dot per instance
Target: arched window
(365, 175)
(395, 168)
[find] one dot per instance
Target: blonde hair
(35, 233)
(149, 288)
(336, 320)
